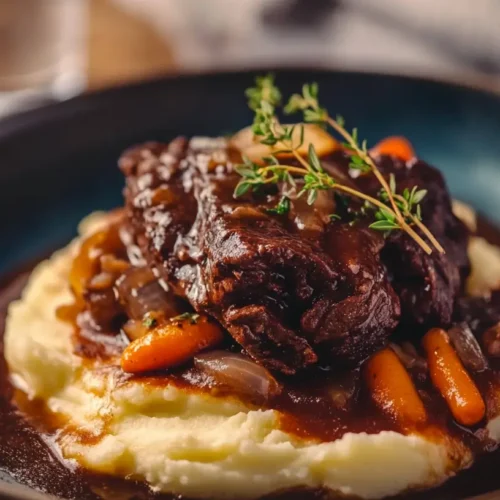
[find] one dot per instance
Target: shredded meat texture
(427, 285)
(296, 289)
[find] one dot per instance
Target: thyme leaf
(390, 209)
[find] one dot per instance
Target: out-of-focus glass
(42, 51)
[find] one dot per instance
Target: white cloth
(403, 36)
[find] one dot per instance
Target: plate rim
(12, 125)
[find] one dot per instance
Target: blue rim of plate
(23, 138)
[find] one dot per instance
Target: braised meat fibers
(427, 285)
(292, 289)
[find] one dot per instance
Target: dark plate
(59, 163)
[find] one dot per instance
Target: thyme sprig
(391, 209)
(405, 207)
(192, 317)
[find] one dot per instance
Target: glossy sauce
(28, 433)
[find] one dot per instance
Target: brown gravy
(28, 455)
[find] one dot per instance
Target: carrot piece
(170, 344)
(392, 388)
(450, 377)
(395, 146)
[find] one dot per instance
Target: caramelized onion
(239, 373)
(343, 389)
(409, 356)
(139, 292)
(104, 309)
(312, 218)
(135, 329)
(86, 263)
(323, 142)
(467, 347)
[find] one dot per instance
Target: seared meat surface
(293, 289)
(427, 285)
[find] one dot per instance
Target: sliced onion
(409, 356)
(343, 389)
(150, 297)
(139, 291)
(246, 142)
(238, 373)
(312, 218)
(135, 329)
(467, 347)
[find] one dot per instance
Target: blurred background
(55, 49)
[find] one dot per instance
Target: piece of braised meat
(291, 289)
(427, 285)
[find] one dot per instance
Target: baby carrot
(170, 344)
(453, 382)
(395, 146)
(392, 388)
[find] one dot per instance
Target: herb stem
(289, 146)
(421, 226)
(399, 216)
(427, 233)
(363, 196)
(392, 211)
(288, 168)
(301, 159)
(366, 157)
(427, 249)
(406, 227)
(332, 184)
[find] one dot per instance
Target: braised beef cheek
(427, 285)
(295, 289)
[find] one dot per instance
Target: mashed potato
(189, 443)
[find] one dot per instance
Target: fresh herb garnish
(282, 208)
(192, 317)
(390, 209)
(149, 321)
